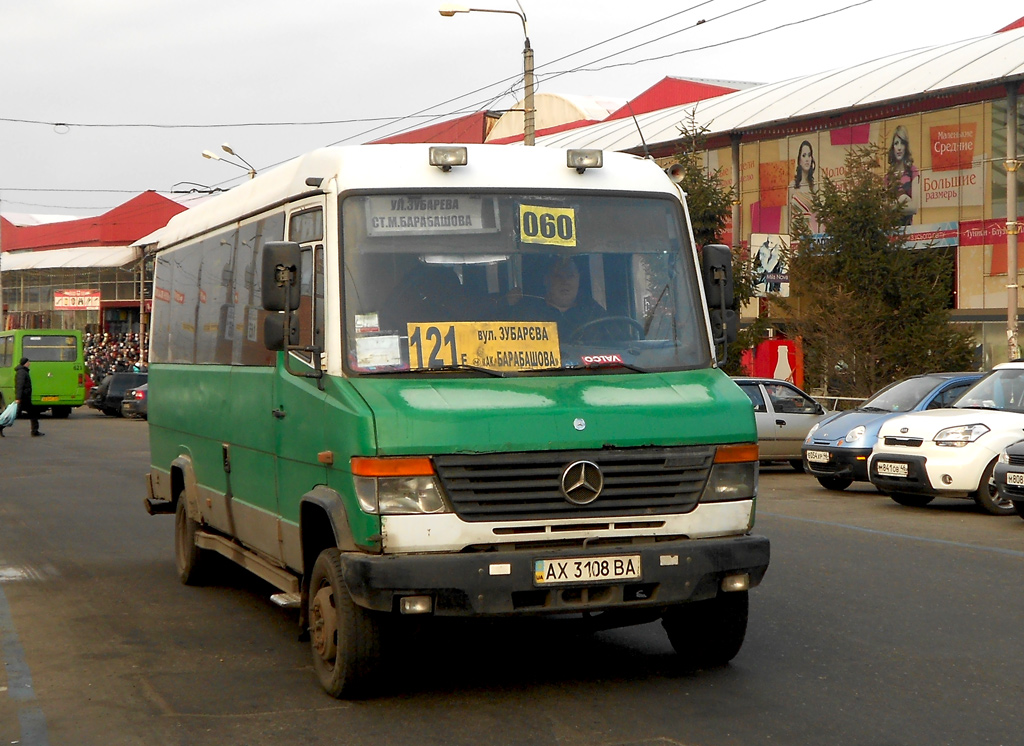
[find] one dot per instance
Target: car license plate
(50, 398)
(889, 469)
(1015, 478)
(818, 457)
(586, 569)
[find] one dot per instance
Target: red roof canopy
(121, 226)
(670, 92)
(471, 128)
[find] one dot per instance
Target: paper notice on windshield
(497, 345)
(424, 215)
(378, 352)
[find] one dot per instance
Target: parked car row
(109, 395)
(955, 435)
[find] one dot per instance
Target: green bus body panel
(421, 416)
(277, 424)
(63, 380)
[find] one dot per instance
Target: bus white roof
(406, 167)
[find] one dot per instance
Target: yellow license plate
(50, 398)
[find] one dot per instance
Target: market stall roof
(78, 258)
(913, 75)
(121, 225)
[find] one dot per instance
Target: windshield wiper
(601, 366)
(437, 369)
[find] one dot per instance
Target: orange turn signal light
(367, 466)
(735, 454)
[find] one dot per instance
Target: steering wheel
(635, 325)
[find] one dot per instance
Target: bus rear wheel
(344, 637)
(192, 562)
(60, 413)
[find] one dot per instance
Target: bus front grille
(528, 486)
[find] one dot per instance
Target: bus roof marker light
(581, 160)
(446, 157)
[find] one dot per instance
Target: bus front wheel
(344, 637)
(708, 633)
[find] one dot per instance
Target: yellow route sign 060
(555, 226)
(498, 345)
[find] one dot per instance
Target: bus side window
(306, 228)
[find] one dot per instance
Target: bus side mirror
(725, 326)
(280, 279)
(716, 270)
(274, 331)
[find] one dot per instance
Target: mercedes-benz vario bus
(57, 367)
(478, 381)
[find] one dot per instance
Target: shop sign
(76, 300)
(932, 235)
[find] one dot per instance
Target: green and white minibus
(58, 368)
(455, 381)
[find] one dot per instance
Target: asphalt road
(876, 624)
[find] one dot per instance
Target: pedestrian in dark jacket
(23, 395)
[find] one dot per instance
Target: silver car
(784, 415)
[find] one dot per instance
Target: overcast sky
(105, 67)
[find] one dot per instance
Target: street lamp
(227, 149)
(450, 9)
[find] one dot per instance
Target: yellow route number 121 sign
(497, 345)
(555, 226)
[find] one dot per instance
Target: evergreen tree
(709, 201)
(870, 310)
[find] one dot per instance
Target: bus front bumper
(506, 583)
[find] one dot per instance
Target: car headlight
(856, 434)
(957, 437)
(733, 475)
(812, 431)
(1004, 457)
(397, 486)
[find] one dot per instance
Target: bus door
(299, 401)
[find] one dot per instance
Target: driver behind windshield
(562, 301)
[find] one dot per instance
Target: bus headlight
(399, 495)
(733, 475)
(397, 486)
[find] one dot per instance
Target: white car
(953, 452)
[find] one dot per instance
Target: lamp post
(227, 149)
(450, 9)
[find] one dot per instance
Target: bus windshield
(513, 283)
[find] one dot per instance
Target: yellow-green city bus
(57, 367)
(400, 381)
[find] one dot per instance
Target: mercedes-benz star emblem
(582, 482)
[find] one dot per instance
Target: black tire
(987, 497)
(798, 465)
(1018, 505)
(910, 499)
(345, 639)
(60, 413)
(192, 562)
(111, 412)
(837, 484)
(710, 633)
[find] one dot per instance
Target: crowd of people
(111, 353)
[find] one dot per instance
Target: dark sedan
(136, 402)
(108, 395)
